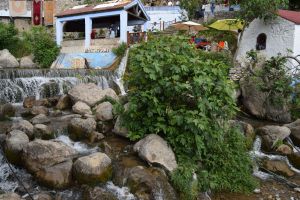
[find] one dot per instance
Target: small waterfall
(16, 84)
(119, 73)
(121, 193)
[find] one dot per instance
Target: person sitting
(221, 45)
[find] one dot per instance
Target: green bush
(42, 45)
(184, 95)
(120, 50)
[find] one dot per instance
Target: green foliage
(120, 50)
(42, 45)
(184, 95)
(263, 9)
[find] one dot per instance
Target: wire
(14, 174)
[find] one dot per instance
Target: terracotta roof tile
(292, 16)
(111, 5)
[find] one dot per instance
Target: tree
(190, 6)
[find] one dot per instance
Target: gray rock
(64, 103)
(81, 128)
(57, 176)
(104, 111)
(7, 60)
(272, 134)
(7, 110)
(295, 131)
(111, 94)
(43, 132)
(120, 130)
(96, 137)
(69, 117)
(42, 196)
(81, 108)
(92, 169)
(39, 154)
(27, 62)
(14, 143)
(10, 196)
(40, 119)
(25, 126)
(36, 110)
(98, 193)
(278, 166)
(154, 149)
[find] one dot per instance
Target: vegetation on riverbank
(184, 95)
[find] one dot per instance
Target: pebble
(297, 189)
(257, 191)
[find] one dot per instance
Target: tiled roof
(107, 6)
(292, 16)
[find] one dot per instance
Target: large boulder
(81, 108)
(81, 128)
(295, 131)
(279, 167)
(155, 150)
(104, 111)
(64, 103)
(27, 62)
(272, 134)
(14, 143)
(10, 196)
(25, 126)
(90, 94)
(40, 119)
(43, 132)
(7, 60)
(36, 110)
(30, 101)
(258, 104)
(57, 176)
(119, 129)
(7, 110)
(92, 169)
(39, 154)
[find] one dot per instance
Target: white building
(271, 38)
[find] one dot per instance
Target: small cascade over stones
(16, 84)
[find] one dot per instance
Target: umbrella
(188, 26)
(228, 25)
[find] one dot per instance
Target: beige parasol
(189, 26)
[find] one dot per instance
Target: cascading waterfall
(16, 84)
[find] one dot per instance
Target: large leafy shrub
(42, 45)
(183, 95)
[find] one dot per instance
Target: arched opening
(261, 42)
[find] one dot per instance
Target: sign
(48, 12)
(17, 8)
(36, 12)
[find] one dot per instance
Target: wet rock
(271, 135)
(104, 111)
(29, 102)
(69, 117)
(87, 93)
(245, 128)
(257, 104)
(155, 150)
(55, 113)
(98, 193)
(49, 89)
(36, 110)
(295, 131)
(14, 143)
(120, 130)
(40, 119)
(42, 196)
(81, 128)
(294, 158)
(81, 108)
(27, 62)
(10, 196)
(25, 126)
(64, 103)
(284, 149)
(92, 169)
(39, 154)
(56, 176)
(96, 137)
(278, 167)
(43, 132)
(7, 110)
(7, 60)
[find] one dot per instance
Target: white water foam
(121, 193)
(78, 146)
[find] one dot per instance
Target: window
(261, 42)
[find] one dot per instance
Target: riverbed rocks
(104, 111)
(39, 154)
(98, 193)
(279, 167)
(25, 126)
(10, 196)
(92, 169)
(81, 128)
(40, 119)
(81, 108)
(7, 60)
(43, 132)
(155, 150)
(257, 103)
(272, 135)
(7, 110)
(36, 110)
(14, 143)
(64, 103)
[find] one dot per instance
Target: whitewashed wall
(280, 37)
(297, 40)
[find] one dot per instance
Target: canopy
(228, 25)
(189, 26)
